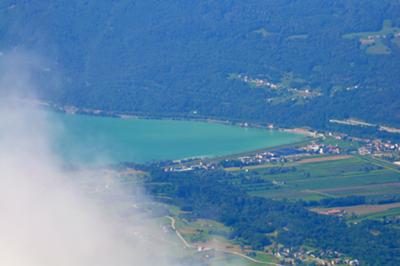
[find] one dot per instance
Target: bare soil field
(352, 188)
(362, 209)
(324, 159)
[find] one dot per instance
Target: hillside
(293, 62)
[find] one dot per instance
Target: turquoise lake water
(89, 138)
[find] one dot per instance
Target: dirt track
(362, 209)
(324, 159)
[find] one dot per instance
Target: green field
(298, 37)
(210, 234)
(232, 260)
(375, 42)
(339, 178)
(378, 48)
(387, 28)
(395, 212)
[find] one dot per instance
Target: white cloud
(46, 218)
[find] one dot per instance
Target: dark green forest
(176, 58)
(213, 195)
(293, 63)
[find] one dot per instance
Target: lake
(90, 138)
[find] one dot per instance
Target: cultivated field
(364, 209)
(314, 179)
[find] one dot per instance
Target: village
(292, 256)
(316, 147)
(286, 91)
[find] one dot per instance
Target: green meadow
(375, 42)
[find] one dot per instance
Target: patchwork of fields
(316, 180)
(344, 184)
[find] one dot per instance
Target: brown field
(324, 159)
(361, 209)
(303, 161)
(352, 188)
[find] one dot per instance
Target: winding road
(187, 245)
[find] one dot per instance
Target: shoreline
(300, 134)
(73, 110)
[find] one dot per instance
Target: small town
(316, 147)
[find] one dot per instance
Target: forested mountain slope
(290, 62)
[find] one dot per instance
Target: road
(187, 245)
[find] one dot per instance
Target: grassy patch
(298, 37)
(395, 212)
(396, 41)
(263, 32)
(379, 48)
(374, 42)
(201, 230)
(233, 260)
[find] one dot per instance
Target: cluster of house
(335, 212)
(283, 155)
(320, 148)
(304, 93)
(257, 82)
(369, 146)
(185, 166)
(259, 158)
(378, 146)
(321, 257)
(254, 159)
(354, 87)
(371, 39)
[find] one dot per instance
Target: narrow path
(173, 222)
(249, 258)
(385, 164)
(187, 245)
(319, 193)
